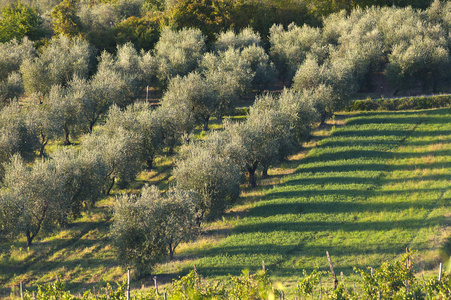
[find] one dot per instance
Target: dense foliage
(56, 90)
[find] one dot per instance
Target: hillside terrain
(218, 138)
(365, 192)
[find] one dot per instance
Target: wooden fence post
(440, 272)
(128, 284)
(424, 285)
(21, 290)
(332, 270)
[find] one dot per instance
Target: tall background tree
(18, 21)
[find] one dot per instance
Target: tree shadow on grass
(360, 170)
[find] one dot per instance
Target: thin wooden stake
(424, 285)
(165, 296)
(379, 296)
(128, 284)
(332, 270)
(107, 293)
(21, 290)
(147, 94)
(320, 289)
(195, 270)
(343, 281)
(156, 285)
(408, 263)
(263, 265)
(371, 271)
(95, 294)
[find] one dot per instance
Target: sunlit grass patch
(365, 193)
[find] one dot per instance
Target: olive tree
(263, 68)
(178, 52)
(336, 77)
(440, 13)
(289, 47)
(45, 121)
(84, 174)
(301, 110)
(11, 88)
(63, 111)
(38, 195)
(150, 226)
(144, 121)
(119, 149)
(9, 214)
(49, 192)
(272, 126)
(12, 54)
(202, 166)
(63, 58)
(116, 79)
(148, 124)
(424, 58)
(175, 120)
(247, 37)
(260, 140)
(359, 41)
(195, 93)
(119, 80)
(18, 133)
(230, 76)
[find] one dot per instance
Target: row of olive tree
(64, 103)
(273, 129)
(411, 47)
(148, 227)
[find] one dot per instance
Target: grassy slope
(375, 186)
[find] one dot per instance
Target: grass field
(372, 188)
(365, 192)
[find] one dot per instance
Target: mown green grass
(364, 193)
(374, 187)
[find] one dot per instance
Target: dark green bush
(407, 103)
